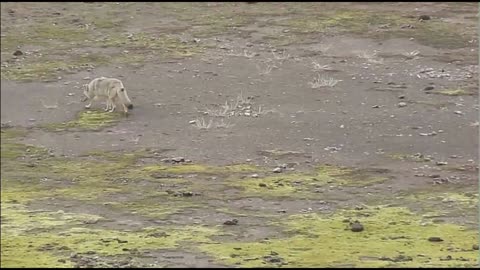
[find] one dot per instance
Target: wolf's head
(123, 96)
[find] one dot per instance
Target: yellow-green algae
(325, 241)
(87, 120)
(304, 184)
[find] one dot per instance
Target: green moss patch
(304, 184)
(63, 233)
(49, 69)
(433, 33)
(10, 149)
(87, 121)
(392, 237)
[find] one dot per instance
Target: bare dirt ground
(260, 134)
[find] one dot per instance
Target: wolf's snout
(130, 106)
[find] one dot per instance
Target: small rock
(447, 258)
(277, 170)
(424, 17)
(178, 159)
(255, 175)
(121, 241)
(231, 222)
(475, 247)
(192, 122)
(402, 104)
(458, 112)
(441, 163)
(401, 97)
(262, 185)
(428, 88)
(435, 239)
(18, 53)
(356, 227)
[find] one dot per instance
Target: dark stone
(231, 222)
(424, 17)
(356, 226)
(435, 239)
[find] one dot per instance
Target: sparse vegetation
(323, 81)
(229, 158)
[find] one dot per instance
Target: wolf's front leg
(107, 107)
(113, 106)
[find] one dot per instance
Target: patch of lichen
(392, 237)
(445, 201)
(164, 45)
(87, 121)
(304, 184)
(33, 239)
(158, 207)
(10, 149)
(432, 33)
(47, 69)
(200, 169)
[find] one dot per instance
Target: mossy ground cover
(393, 236)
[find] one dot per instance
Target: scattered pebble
(255, 175)
(18, 53)
(458, 112)
(424, 17)
(356, 226)
(435, 239)
(440, 163)
(277, 170)
(231, 222)
(402, 104)
(433, 133)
